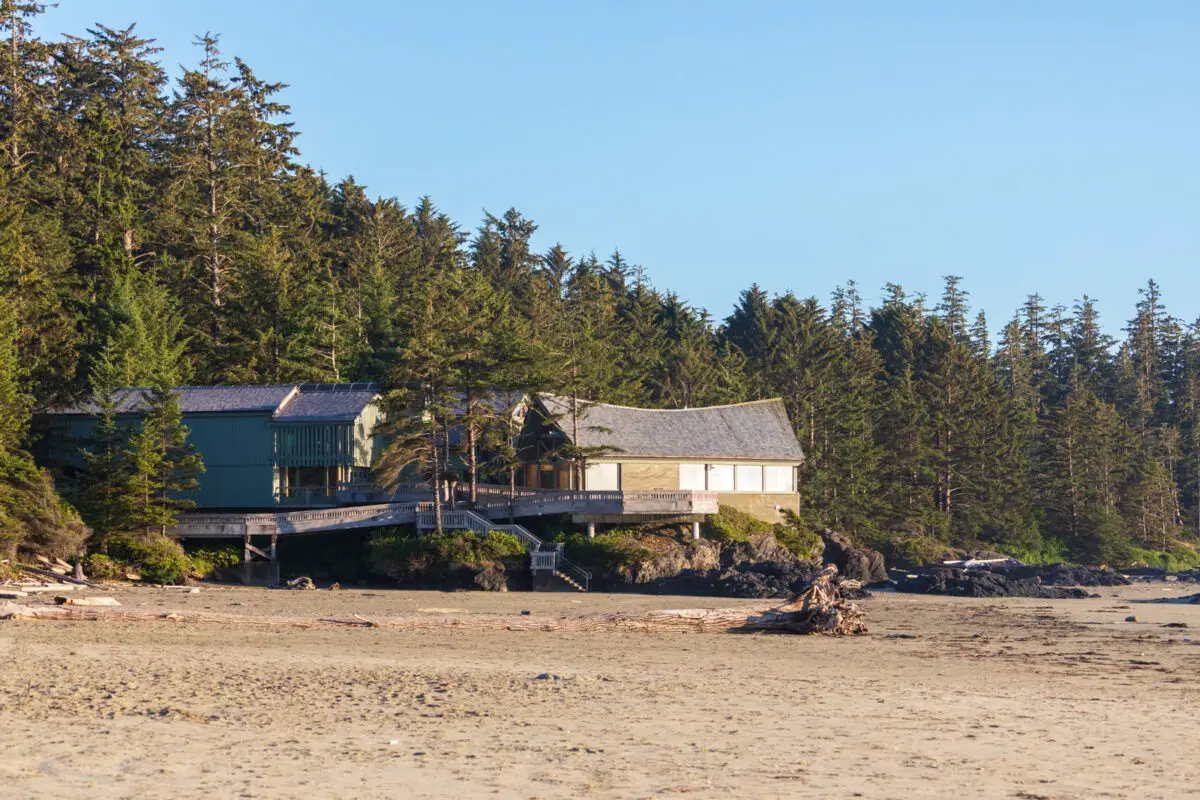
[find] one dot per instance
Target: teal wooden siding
(314, 445)
(238, 459)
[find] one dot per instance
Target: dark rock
(982, 583)
(1060, 574)
(491, 578)
(853, 563)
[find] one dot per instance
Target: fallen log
(56, 577)
(818, 609)
(86, 601)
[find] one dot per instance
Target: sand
(944, 698)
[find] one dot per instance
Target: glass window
(720, 477)
(778, 479)
(603, 477)
(749, 478)
(691, 476)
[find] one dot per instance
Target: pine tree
(163, 466)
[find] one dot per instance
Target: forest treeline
(157, 231)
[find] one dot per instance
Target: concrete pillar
(696, 531)
(591, 530)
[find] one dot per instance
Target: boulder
(853, 563)
(491, 577)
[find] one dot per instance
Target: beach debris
(333, 587)
(1131, 618)
(303, 583)
(819, 609)
(63, 600)
(12, 594)
(1168, 625)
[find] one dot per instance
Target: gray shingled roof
(288, 402)
(197, 399)
(759, 430)
(326, 404)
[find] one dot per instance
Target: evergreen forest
(158, 232)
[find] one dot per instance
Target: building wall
(238, 452)
(367, 445)
(664, 475)
(641, 476)
(761, 505)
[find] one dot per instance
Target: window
(749, 478)
(603, 477)
(778, 479)
(691, 476)
(720, 477)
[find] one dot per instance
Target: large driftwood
(819, 609)
(55, 577)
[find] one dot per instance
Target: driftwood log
(818, 609)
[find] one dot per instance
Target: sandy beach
(944, 698)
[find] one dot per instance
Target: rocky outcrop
(853, 563)
(677, 559)
(982, 583)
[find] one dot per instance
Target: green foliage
(101, 567)
(162, 464)
(608, 552)
(793, 534)
(1180, 558)
(205, 560)
(731, 525)
(156, 558)
(402, 553)
(33, 518)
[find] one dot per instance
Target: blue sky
(1025, 145)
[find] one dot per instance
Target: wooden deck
(202, 525)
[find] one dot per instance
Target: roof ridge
(742, 404)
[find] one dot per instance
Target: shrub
(915, 550)
(797, 538)
(156, 558)
(731, 525)
(608, 552)
(401, 552)
(1179, 558)
(98, 566)
(205, 560)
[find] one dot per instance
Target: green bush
(398, 552)
(100, 567)
(731, 525)
(608, 552)
(797, 538)
(1179, 558)
(915, 550)
(156, 558)
(206, 560)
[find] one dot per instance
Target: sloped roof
(758, 430)
(289, 402)
(332, 403)
(196, 399)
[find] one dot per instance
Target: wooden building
(263, 446)
(747, 453)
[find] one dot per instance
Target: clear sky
(1027, 145)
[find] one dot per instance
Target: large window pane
(749, 478)
(603, 477)
(720, 477)
(778, 479)
(691, 476)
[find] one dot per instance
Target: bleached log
(86, 601)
